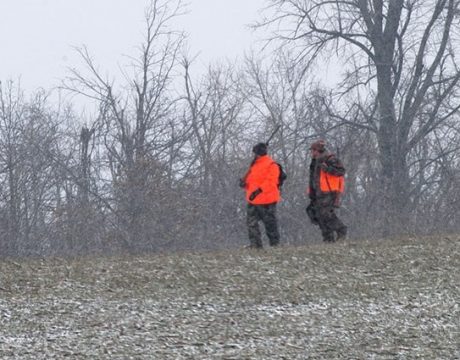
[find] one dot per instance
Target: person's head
(260, 149)
(318, 148)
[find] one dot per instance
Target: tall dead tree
(85, 163)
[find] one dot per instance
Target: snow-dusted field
(393, 299)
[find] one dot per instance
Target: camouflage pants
(322, 213)
(266, 214)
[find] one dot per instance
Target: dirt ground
(387, 299)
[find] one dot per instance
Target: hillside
(354, 300)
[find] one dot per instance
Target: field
(387, 299)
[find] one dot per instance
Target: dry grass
(395, 299)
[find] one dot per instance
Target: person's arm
(333, 166)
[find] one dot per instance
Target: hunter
(326, 185)
(261, 184)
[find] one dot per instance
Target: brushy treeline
(156, 166)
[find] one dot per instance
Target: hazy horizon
(38, 37)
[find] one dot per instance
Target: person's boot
(274, 242)
(255, 244)
(329, 237)
(342, 233)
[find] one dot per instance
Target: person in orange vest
(326, 185)
(262, 195)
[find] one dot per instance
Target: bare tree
(402, 50)
(215, 111)
(28, 133)
(136, 119)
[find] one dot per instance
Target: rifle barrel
(273, 134)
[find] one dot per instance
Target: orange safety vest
(330, 183)
(263, 174)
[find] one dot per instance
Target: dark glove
(254, 194)
(242, 183)
(311, 193)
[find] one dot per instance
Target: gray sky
(37, 36)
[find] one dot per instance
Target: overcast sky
(37, 36)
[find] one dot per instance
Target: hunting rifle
(273, 134)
